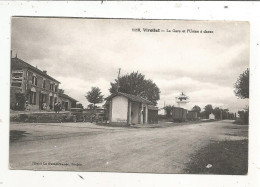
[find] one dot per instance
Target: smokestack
(44, 71)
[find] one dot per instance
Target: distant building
(130, 109)
(66, 101)
(212, 116)
(41, 90)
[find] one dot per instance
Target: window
(17, 78)
(16, 83)
(56, 88)
(34, 80)
(44, 84)
(51, 86)
(17, 75)
(33, 98)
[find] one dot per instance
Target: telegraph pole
(118, 79)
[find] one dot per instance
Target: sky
(85, 53)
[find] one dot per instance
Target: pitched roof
(20, 63)
(66, 96)
(131, 97)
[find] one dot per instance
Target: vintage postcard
(129, 95)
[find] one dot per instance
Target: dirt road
(88, 147)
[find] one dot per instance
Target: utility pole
(118, 79)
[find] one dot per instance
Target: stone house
(66, 101)
(37, 85)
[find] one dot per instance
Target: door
(66, 105)
(144, 114)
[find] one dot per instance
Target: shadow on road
(16, 135)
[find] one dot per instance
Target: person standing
(27, 107)
(56, 107)
(59, 107)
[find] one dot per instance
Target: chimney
(44, 71)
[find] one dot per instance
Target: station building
(37, 85)
(127, 109)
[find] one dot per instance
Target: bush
(243, 118)
(23, 117)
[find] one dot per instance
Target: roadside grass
(224, 157)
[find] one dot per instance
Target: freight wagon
(152, 114)
(192, 115)
(179, 114)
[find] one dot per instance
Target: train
(180, 115)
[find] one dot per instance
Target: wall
(119, 109)
(39, 88)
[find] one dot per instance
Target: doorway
(144, 114)
(66, 106)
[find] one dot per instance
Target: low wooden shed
(152, 114)
(129, 109)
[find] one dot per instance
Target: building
(192, 115)
(212, 116)
(66, 101)
(179, 114)
(182, 100)
(39, 88)
(130, 109)
(152, 114)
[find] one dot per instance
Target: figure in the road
(56, 107)
(59, 107)
(44, 106)
(50, 106)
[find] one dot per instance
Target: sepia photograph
(129, 95)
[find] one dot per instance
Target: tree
(225, 113)
(243, 115)
(242, 85)
(90, 106)
(208, 110)
(217, 112)
(168, 110)
(197, 109)
(136, 84)
(94, 96)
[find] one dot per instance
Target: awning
(33, 89)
